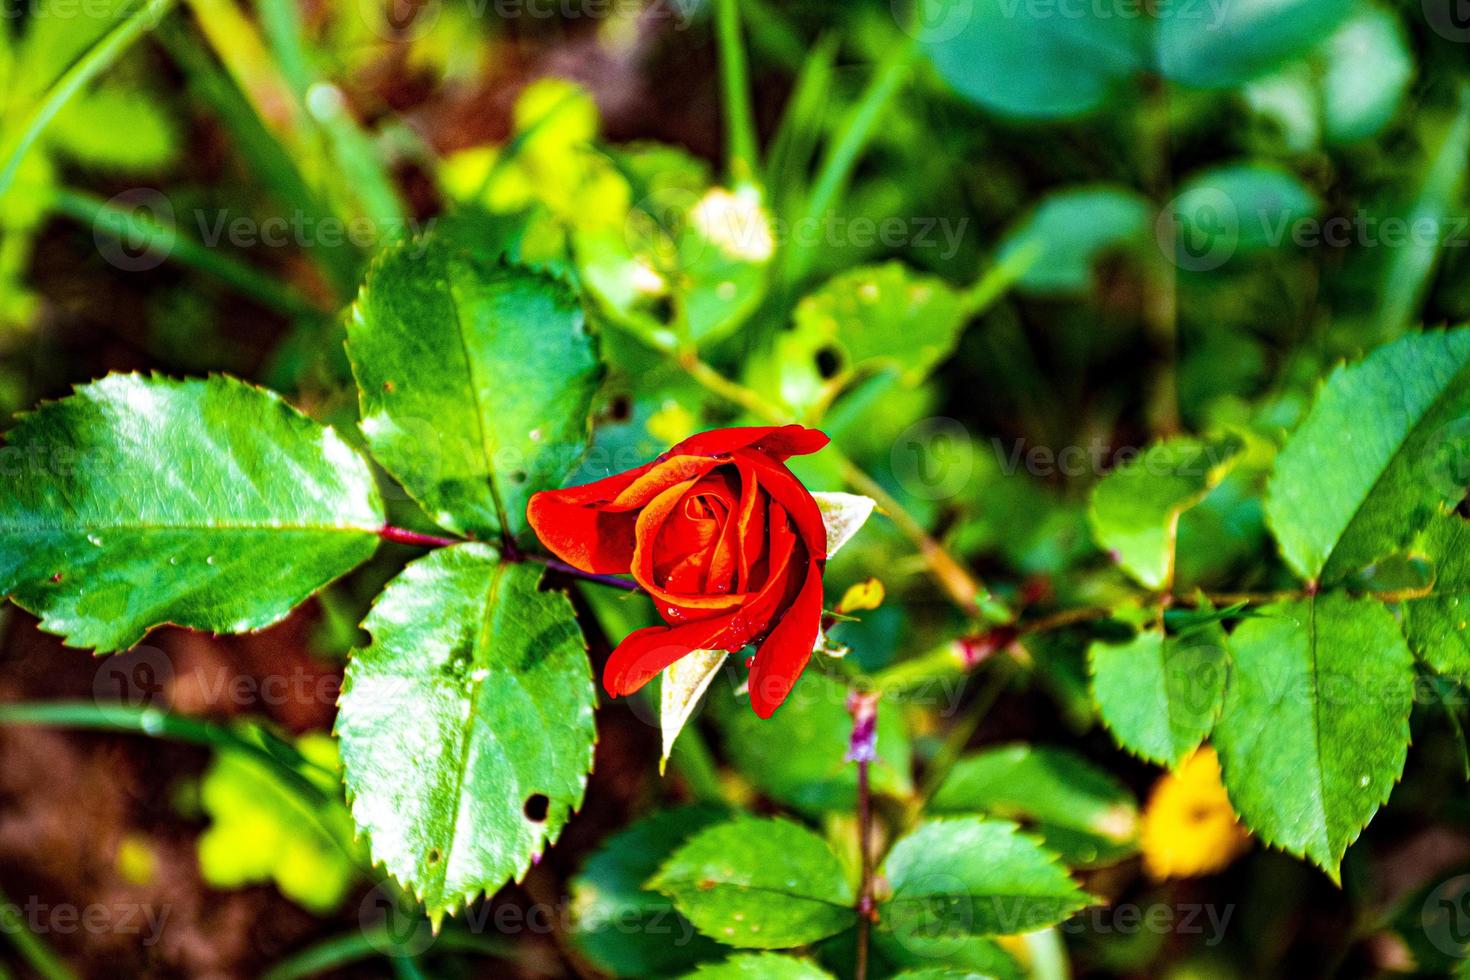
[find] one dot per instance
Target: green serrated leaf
(1079, 809)
(466, 726)
(1135, 509)
(884, 316)
(959, 877)
(759, 883)
(141, 501)
(1436, 624)
(762, 966)
(625, 929)
(1315, 725)
(1160, 695)
(1383, 448)
(819, 777)
(475, 380)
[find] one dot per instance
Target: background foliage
(1139, 326)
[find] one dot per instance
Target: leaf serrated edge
(464, 899)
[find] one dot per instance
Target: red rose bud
(722, 536)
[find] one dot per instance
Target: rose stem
(402, 535)
(862, 748)
(557, 565)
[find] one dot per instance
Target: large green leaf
(627, 930)
(466, 726)
(1382, 448)
(476, 380)
(959, 877)
(1219, 46)
(1135, 509)
(1079, 809)
(1315, 725)
(1159, 695)
(765, 884)
(210, 504)
(819, 777)
(1022, 60)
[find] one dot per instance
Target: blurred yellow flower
(1189, 828)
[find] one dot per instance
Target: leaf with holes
(959, 877)
(475, 380)
(885, 316)
(757, 883)
(1385, 447)
(466, 726)
(1315, 726)
(1135, 509)
(1160, 695)
(141, 501)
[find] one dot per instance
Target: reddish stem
(402, 535)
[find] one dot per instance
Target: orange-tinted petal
(785, 652)
(780, 442)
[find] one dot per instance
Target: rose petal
(780, 442)
(784, 488)
(782, 657)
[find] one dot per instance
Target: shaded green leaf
(1315, 725)
(1023, 60)
(625, 929)
(1159, 695)
(1222, 46)
(1071, 230)
(959, 877)
(475, 380)
(141, 501)
(766, 884)
(1134, 511)
(1078, 809)
(1436, 625)
(1383, 447)
(466, 726)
